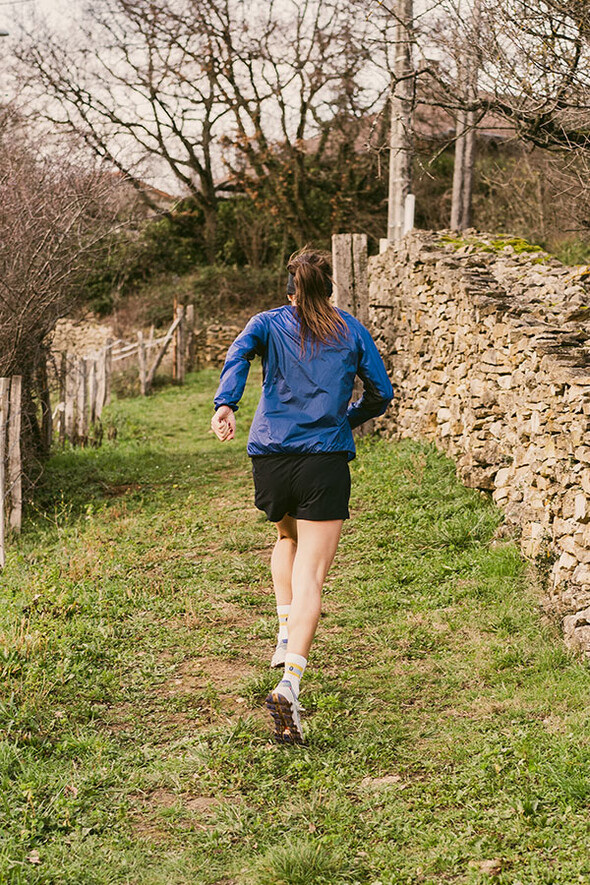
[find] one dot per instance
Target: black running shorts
(315, 487)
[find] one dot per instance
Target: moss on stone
(497, 244)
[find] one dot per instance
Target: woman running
(300, 444)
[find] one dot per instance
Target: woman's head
(311, 271)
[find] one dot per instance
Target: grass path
(448, 730)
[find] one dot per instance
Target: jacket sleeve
(249, 343)
(378, 391)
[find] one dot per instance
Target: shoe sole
(286, 731)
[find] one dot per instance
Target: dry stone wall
(489, 353)
(212, 343)
(82, 336)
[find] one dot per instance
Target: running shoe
(284, 708)
(278, 658)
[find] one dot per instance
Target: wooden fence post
(81, 403)
(43, 393)
(180, 348)
(15, 472)
(142, 364)
(61, 415)
(91, 372)
(108, 368)
(101, 381)
(189, 322)
(4, 399)
(69, 399)
(351, 285)
(175, 341)
(160, 355)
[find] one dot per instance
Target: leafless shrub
(54, 215)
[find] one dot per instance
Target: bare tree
(136, 87)
(299, 90)
(216, 94)
(526, 62)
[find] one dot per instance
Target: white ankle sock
(283, 613)
(294, 670)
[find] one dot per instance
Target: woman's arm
(247, 345)
(378, 392)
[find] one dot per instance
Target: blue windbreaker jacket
(304, 407)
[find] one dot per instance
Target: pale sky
(12, 9)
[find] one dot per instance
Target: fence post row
(84, 390)
(85, 383)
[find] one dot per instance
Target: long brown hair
(320, 322)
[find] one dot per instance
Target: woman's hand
(223, 423)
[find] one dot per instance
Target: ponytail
(320, 322)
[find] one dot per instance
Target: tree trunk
(469, 166)
(466, 131)
(459, 173)
(400, 145)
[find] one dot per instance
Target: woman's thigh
(317, 542)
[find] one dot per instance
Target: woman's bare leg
(283, 556)
(316, 547)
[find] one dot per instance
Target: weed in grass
(303, 862)
(256, 688)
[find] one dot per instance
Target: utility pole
(400, 201)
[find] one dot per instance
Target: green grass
(448, 729)
(572, 251)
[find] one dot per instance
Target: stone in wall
(212, 343)
(489, 352)
(80, 336)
